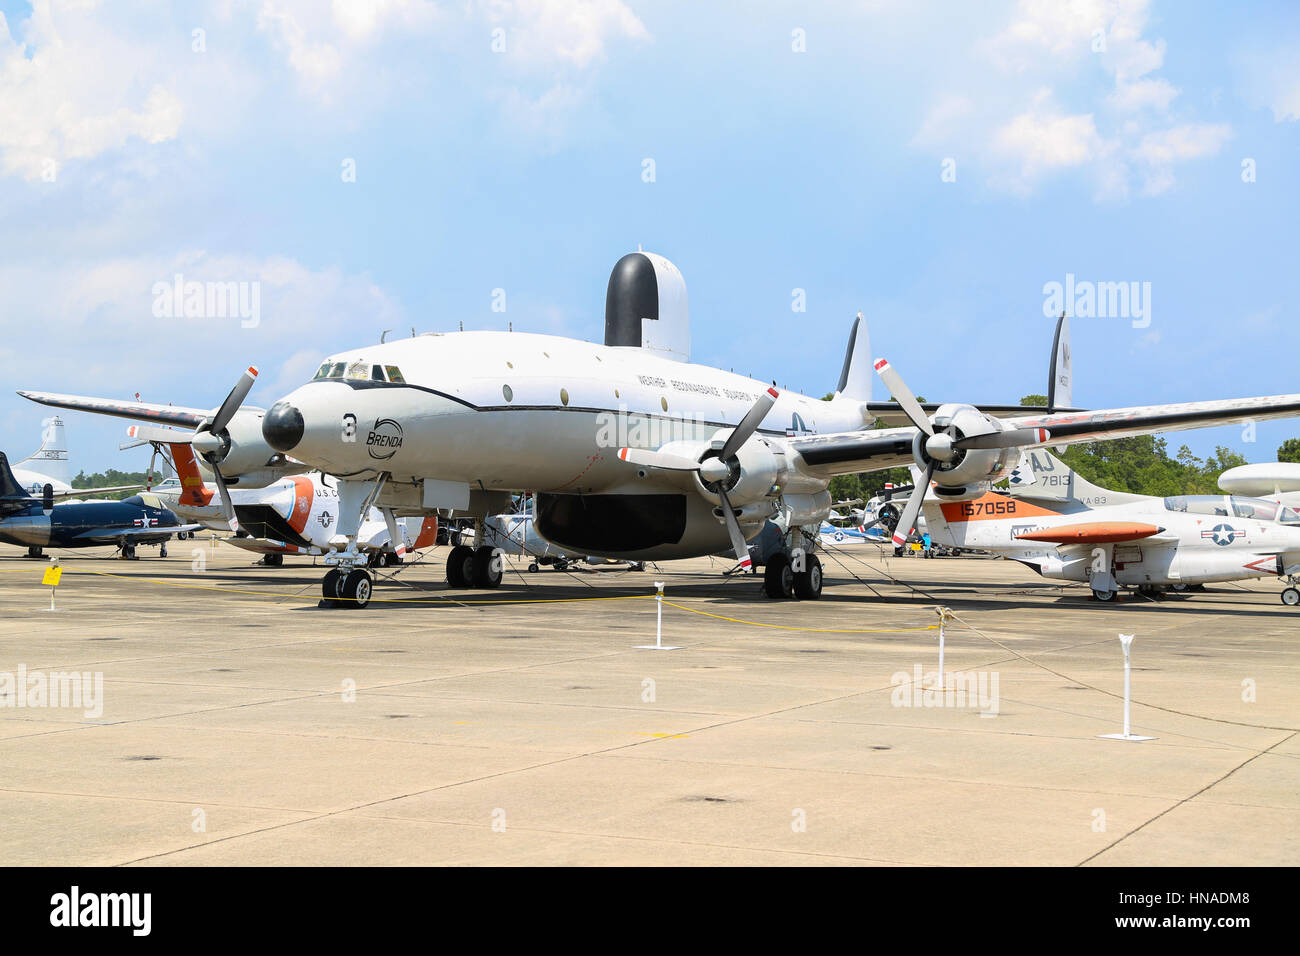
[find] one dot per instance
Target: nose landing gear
(351, 587)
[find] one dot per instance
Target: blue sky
(775, 169)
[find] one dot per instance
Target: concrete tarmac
(239, 723)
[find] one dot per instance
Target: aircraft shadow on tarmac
(398, 591)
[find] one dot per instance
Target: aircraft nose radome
(282, 427)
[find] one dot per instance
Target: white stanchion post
(659, 644)
(1126, 641)
(944, 614)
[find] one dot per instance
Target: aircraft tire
(391, 559)
(35, 552)
(162, 550)
(1290, 597)
(778, 578)
(273, 560)
(460, 566)
(1104, 596)
(808, 583)
(532, 567)
(486, 569)
(329, 588)
(128, 552)
(357, 589)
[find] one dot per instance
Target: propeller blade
(397, 540)
(903, 395)
(227, 506)
(733, 529)
(749, 424)
(1009, 439)
(907, 521)
(236, 398)
(148, 478)
(657, 459)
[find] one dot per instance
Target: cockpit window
(1288, 516)
(376, 373)
(1227, 506)
(322, 372)
(394, 375)
(329, 370)
(1199, 504)
(358, 371)
(1254, 508)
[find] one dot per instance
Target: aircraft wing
(891, 413)
(113, 535)
(92, 492)
(846, 453)
(140, 411)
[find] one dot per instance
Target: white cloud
(1095, 56)
(1180, 143)
(572, 31)
(93, 307)
(72, 90)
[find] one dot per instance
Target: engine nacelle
(753, 472)
(246, 451)
(971, 466)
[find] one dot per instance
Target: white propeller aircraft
(1061, 525)
(635, 453)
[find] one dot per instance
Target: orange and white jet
(1056, 522)
(294, 515)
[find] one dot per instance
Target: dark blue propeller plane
(39, 523)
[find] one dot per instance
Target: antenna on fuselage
(383, 335)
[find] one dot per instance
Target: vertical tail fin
(12, 494)
(51, 459)
(1060, 381)
(1041, 476)
(193, 491)
(857, 375)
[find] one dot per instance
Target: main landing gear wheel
(532, 568)
(162, 550)
(357, 588)
(273, 560)
(35, 553)
(808, 582)
(128, 552)
(486, 569)
(329, 588)
(1290, 597)
(778, 577)
(1104, 595)
(460, 566)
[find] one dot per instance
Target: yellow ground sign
(51, 578)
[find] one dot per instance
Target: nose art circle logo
(1222, 534)
(384, 439)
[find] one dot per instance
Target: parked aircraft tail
(193, 491)
(857, 375)
(13, 497)
(51, 459)
(1041, 476)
